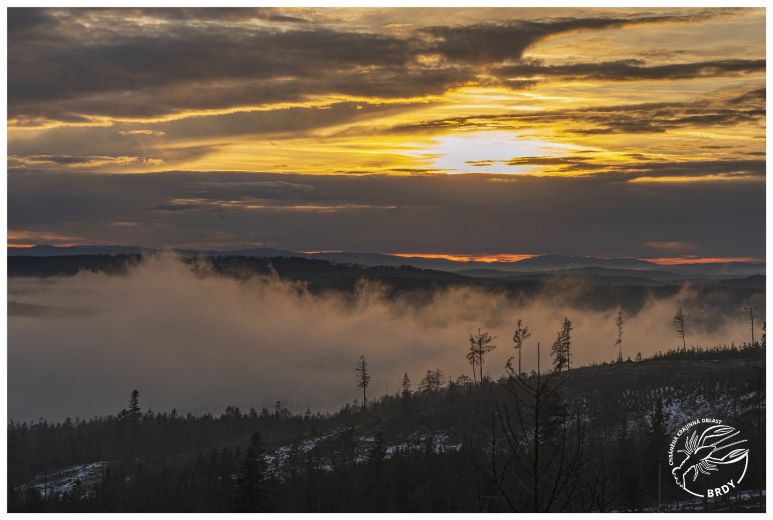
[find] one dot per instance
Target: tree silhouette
(520, 335)
(679, 319)
(619, 342)
(405, 386)
(251, 495)
(539, 465)
(752, 317)
(134, 405)
(463, 380)
(480, 344)
(472, 359)
(432, 382)
(363, 378)
(561, 349)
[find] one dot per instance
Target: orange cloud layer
(468, 258)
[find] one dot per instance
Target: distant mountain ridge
(536, 264)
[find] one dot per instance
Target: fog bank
(199, 343)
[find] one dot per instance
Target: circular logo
(708, 458)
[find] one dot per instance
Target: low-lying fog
(199, 343)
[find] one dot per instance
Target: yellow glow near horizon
(468, 129)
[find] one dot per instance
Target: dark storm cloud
(67, 65)
(599, 214)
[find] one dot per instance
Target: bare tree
(619, 342)
(539, 463)
(363, 378)
(520, 335)
(480, 344)
(679, 320)
(752, 317)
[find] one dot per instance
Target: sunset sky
(464, 133)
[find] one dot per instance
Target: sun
(488, 152)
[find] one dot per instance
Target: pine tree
(566, 330)
(561, 349)
(251, 495)
(363, 378)
(432, 382)
(472, 359)
(619, 342)
(134, 405)
(406, 387)
(557, 351)
(480, 345)
(679, 319)
(377, 452)
(520, 335)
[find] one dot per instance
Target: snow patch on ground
(64, 480)
(434, 442)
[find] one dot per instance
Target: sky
(467, 132)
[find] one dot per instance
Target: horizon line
(488, 258)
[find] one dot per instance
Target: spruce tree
(406, 386)
(251, 495)
(561, 349)
(134, 405)
(363, 378)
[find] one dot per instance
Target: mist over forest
(196, 340)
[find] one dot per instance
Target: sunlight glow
(488, 152)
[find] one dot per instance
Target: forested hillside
(587, 439)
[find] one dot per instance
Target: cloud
(162, 157)
(634, 70)
(79, 161)
(199, 343)
(674, 245)
(141, 132)
(499, 42)
(599, 214)
(72, 65)
(723, 109)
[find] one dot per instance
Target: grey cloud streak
(723, 109)
(594, 215)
